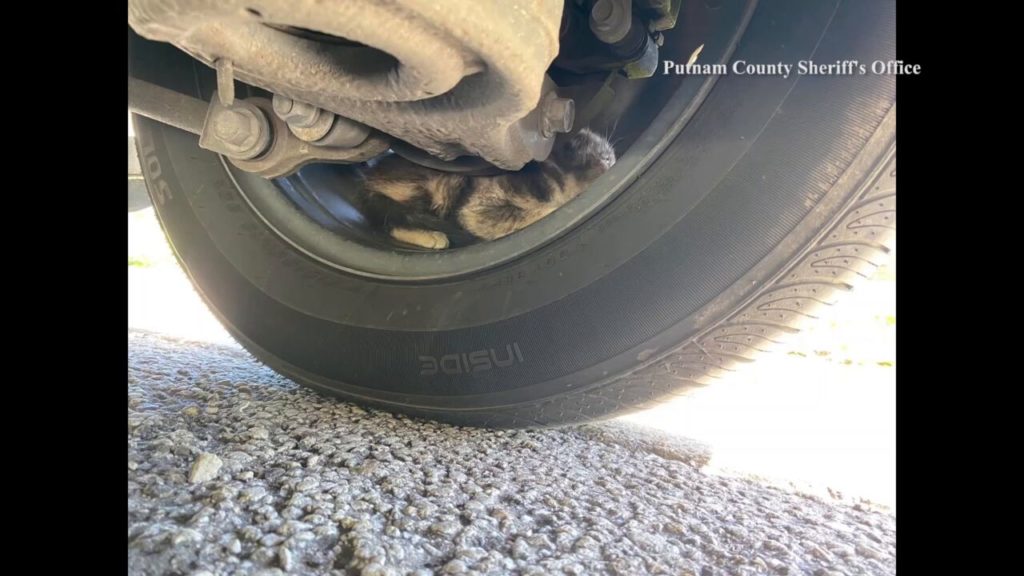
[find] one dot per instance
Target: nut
(296, 114)
(240, 131)
(610, 20)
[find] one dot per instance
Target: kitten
(431, 209)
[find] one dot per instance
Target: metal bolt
(610, 20)
(282, 104)
(315, 132)
(557, 115)
(344, 133)
(232, 126)
(296, 114)
(602, 11)
(241, 131)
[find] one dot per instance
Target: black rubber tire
(778, 194)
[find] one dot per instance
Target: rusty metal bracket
(250, 134)
(288, 153)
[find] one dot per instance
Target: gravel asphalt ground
(233, 469)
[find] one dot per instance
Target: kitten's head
(585, 153)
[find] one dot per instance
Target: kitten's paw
(424, 238)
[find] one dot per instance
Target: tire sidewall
(667, 259)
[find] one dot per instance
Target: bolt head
(602, 11)
(610, 20)
(231, 126)
(283, 104)
(239, 131)
(239, 128)
(297, 114)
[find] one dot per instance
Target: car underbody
(467, 88)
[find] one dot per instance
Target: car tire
(776, 196)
